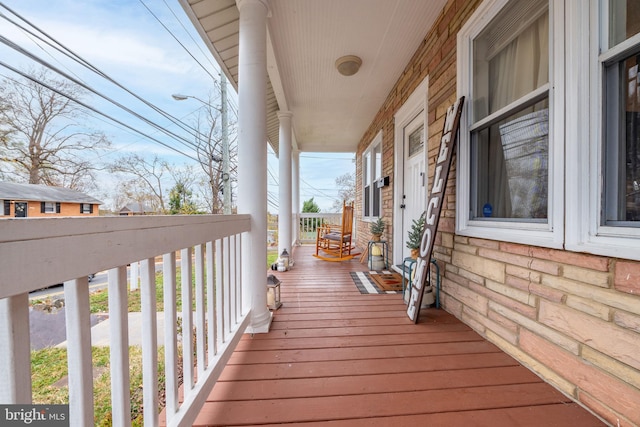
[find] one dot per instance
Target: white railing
(38, 252)
(309, 222)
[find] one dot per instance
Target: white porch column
(295, 195)
(284, 159)
(252, 157)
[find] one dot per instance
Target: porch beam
(252, 156)
(284, 159)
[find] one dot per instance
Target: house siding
(573, 318)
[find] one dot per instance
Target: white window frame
(585, 122)
(88, 208)
(373, 177)
(551, 233)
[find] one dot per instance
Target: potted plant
(377, 228)
(415, 235)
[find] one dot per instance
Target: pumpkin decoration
(376, 250)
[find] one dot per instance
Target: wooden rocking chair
(335, 240)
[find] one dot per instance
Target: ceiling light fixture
(348, 65)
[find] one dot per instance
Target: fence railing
(309, 223)
(39, 252)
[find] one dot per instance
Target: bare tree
(43, 136)
(137, 192)
(346, 184)
(210, 150)
(145, 179)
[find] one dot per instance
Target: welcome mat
(388, 281)
(377, 282)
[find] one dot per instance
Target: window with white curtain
(508, 155)
(620, 58)
(510, 115)
(371, 173)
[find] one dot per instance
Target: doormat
(374, 282)
(388, 281)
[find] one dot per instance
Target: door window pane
(416, 141)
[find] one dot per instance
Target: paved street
(47, 328)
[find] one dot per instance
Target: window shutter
(81, 207)
(7, 207)
(42, 207)
(91, 208)
(57, 207)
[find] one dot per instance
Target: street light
(226, 189)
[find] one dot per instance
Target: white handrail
(310, 221)
(40, 252)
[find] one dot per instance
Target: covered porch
(336, 355)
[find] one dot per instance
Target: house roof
(43, 193)
(331, 112)
(136, 207)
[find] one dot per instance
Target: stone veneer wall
(572, 318)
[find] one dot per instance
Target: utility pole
(226, 177)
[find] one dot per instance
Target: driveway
(48, 329)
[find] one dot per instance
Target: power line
(61, 48)
(231, 101)
(25, 75)
(14, 46)
(176, 39)
(319, 191)
(326, 158)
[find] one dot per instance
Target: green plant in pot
(415, 235)
(377, 228)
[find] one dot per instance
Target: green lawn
(49, 373)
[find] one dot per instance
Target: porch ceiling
(331, 112)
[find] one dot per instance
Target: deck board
(340, 358)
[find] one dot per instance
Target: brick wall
(572, 318)
(66, 209)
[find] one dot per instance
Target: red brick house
(29, 201)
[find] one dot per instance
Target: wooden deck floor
(337, 357)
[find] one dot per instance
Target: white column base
(260, 326)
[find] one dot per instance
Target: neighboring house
(539, 236)
(30, 200)
(131, 209)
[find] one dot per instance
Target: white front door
(415, 179)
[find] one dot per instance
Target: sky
(152, 57)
